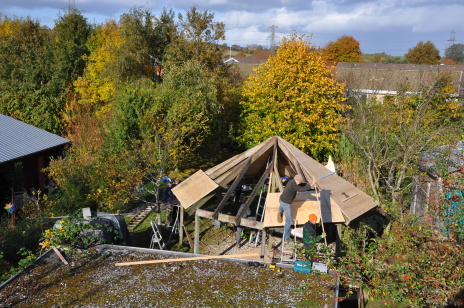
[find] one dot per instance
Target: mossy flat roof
(92, 280)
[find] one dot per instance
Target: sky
(390, 26)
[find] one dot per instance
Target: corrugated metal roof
(19, 139)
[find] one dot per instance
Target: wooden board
(187, 259)
(305, 203)
(194, 188)
(334, 185)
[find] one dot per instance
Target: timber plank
(194, 188)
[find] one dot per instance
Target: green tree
(165, 32)
(423, 53)
(387, 137)
(198, 40)
(28, 91)
(345, 49)
(455, 52)
(293, 95)
(71, 32)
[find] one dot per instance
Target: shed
(337, 201)
(24, 151)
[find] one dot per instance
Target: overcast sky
(391, 26)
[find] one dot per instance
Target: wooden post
(269, 243)
(320, 211)
(197, 234)
(338, 246)
(181, 224)
(263, 243)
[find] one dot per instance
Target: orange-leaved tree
(345, 49)
(423, 53)
(294, 95)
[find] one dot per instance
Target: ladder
(260, 209)
(156, 238)
(288, 255)
(176, 226)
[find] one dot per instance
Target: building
(24, 151)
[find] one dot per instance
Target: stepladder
(288, 248)
(156, 238)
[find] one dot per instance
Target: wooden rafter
(253, 194)
(244, 166)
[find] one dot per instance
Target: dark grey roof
(19, 139)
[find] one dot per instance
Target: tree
(27, 90)
(387, 137)
(198, 40)
(345, 49)
(293, 95)
(165, 32)
(423, 53)
(455, 52)
(98, 84)
(71, 32)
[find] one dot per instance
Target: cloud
(378, 24)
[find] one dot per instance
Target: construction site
(254, 268)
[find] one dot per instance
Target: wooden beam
(189, 238)
(181, 224)
(244, 165)
(230, 219)
(197, 235)
(263, 243)
(254, 152)
(258, 186)
(276, 181)
(186, 259)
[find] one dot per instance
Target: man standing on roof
(286, 198)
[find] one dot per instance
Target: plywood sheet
(304, 204)
(194, 188)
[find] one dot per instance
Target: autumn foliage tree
(423, 53)
(345, 49)
(293, 95)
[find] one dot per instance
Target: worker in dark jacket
(287, 197)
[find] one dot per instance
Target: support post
(181, 224)
(263, 243)
(197, 235)
(338, 242)
(269, 243)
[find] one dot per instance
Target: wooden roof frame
(276, 157)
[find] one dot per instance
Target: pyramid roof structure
(336, 200)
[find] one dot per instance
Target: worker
(310, 237)
(286, 198)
